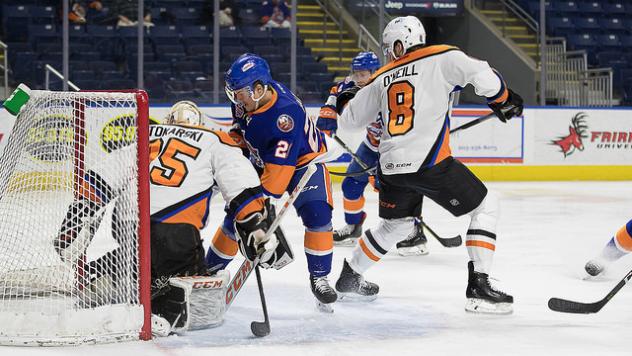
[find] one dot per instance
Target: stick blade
(260, 328)
(569, 306)
(452, 242)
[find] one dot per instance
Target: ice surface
(547, 231)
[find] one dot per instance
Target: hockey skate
(352, 286)
(414, 244)
(348, 234)
(482, 297)
(325, 295)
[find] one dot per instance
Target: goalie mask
(184, 113)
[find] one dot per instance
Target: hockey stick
(248, 266)
(479, 120)
(365, 168)
(569, 306)
(446, 242)
(261, 328)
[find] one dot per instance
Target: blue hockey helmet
(365, 61)
(247, 70)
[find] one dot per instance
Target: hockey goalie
(187, 162)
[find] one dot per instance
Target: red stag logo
(576, 132)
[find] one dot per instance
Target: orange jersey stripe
(269, 104)
(86, 191)
(624, 239)
(503, 97)
(483, 244)
(353, 205)
(225, 138)
(255, 205)
(444, 150)
(367, 251)
(192, 215)
(319, 240)
(327, 113)
(224, 244)
(276, 178)
(330, 198)
(306, 158)
(410, 57)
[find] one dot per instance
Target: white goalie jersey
(413, 93)
(186, 164)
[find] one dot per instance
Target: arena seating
(602, 28)
(178, 51)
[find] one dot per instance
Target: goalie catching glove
(511, 107)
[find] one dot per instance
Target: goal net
(74, 246)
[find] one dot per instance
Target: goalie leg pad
(192, 303)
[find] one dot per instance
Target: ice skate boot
(595, 267)
(348, 234)
(325, 295)
(482, 297)
(414, 244)
(352, 286)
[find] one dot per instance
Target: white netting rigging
(69, 216)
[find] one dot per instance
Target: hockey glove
(344, 97)
(283, 254)
(327, 120)
(513, 106)
(253, 242)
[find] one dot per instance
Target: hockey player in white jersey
(186, 163)
(413, 93)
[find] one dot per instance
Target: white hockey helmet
(408, 30)
(184, 113)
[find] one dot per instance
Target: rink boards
(546, 143)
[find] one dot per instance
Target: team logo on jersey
(577, 131)
(285, 123)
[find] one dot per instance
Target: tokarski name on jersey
(406, 71)
(158, 131)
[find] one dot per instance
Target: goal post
(74, 220)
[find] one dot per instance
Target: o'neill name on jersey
(406, 71)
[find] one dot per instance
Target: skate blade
(480, 306)
(355, 298)
(350, 242)
(413, 251)
(324, 308)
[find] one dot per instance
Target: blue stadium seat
(117, 84)
(82, 75)
(626, 42)
(582, 41)
(255, 32)
(99, 66)
(232, 52)
(609, 41)
(101, 31)
(187, 66)
(87, 84)
(43, 32)
(615, 8)
(591, 7)
(15, 11)
(165, 35)
(612, 24)
(196, 50)
(565, 6)
(317, 67)
(560, 23)
(196, 32)
(42, 14)
(184, 15)
(585, 24)
(227, 33)
(249, 16)
(604, 58)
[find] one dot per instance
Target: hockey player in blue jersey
(272, 123)
(362, 67)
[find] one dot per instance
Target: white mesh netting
(69, 215)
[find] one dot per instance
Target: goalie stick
(569, 306)
(259, 328)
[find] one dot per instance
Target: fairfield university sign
(579, 133)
